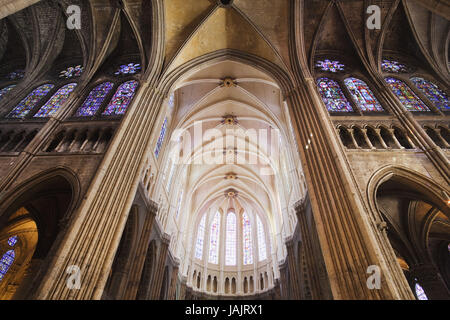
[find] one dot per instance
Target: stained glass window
(247, 240)
(392, 66)
(432, 92)
(28, 103)
(200, 238)
(5, 90)
(406, 95)
(420, 293)
(12, 241)
(130, 68)
(121, 99)
(8, 258)
(180, 199)
(332, 96)
(16, 75)
(230, 249)
(214, 240)
(261, 240)
(362, 95)
(71, 72)
(160, 141)
(56, 101)
(6, 262)
(171, 100)
(94, 100)
(331, 66)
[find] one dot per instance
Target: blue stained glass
(406, 95)
(12, 241)
(71, 72)
(332, 96)
(16, 75)
(121, 99)
(200, 239)
(432, 92)
(160, 141)
(331, 66)
(94, 100)
(214, 240)
(362, 95)
(230, 249)
(130, 68)
(6, 262)
(420, 293)
(392, 66)
(28, 103)
(247, 240)
(5, 90)
(56, 101)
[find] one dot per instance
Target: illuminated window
(214, 240)
(362, 95)
(160, 141)
(200, 238)
(5, 90)
(230, 250)
(332, 96)
(420, 293)
(94, 100)
(16, 75)
(71, 72)
(56, 101)
(27, 104)
(8, 258)
(261, 240)
(406, 96)
(432, 92)
(121, 99)
(392, 66)
(330, 66)
(247, 240)
(127, 69)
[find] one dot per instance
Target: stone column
(173, 284)
(94, 234)
(159, 269)
(431, 281)
(352, 135)
(346, 234)
(292, 267)
(366, 138)
(284, 286)
(141, 253)
(307, 249)
(397, 143)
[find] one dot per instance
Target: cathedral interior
(224, 150)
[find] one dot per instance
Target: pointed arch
(362, 95)
(30, 101)
(94, 100)
(56, 101)
(406, 96)
(121, 99)
(214, 240)
(332, 95)
(199, 244)
(231, 235)
(247, 247)
(262, 248)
